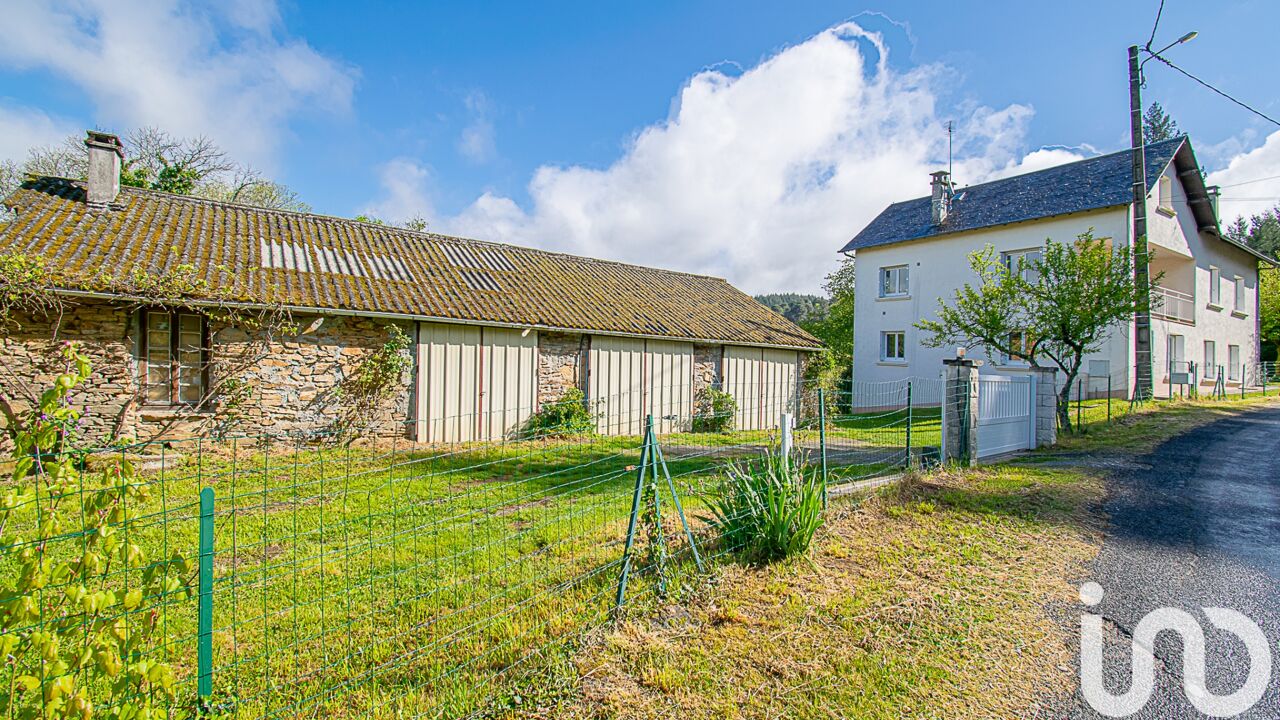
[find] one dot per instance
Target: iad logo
(1143, 660)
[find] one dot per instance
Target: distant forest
(797, 307)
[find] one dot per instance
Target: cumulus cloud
(405, 192)
(22, 128)
(762, 175)
(1250, 182)
(226, 70)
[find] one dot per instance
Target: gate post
(1045, 417)
(960, 411)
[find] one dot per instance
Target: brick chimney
(941, 203)
(106, 154)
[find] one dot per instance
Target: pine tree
(1157, 125)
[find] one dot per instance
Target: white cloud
(227, 71)
(405, 192)
(761, 176)
(477, 142)
(1250, 182)
(22, 128)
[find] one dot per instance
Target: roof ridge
(391, 229)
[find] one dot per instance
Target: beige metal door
(763, 381)
(473, 383)
(669, 390)
(615, 384)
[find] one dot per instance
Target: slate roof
(1091, 184)
(312, 261)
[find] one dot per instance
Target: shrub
(714, 410)
(568, 416)
(767, 509)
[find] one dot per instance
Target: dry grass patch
(926, 600)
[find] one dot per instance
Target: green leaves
(768, 509)
(65, 634)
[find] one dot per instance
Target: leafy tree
(1269, 308)
(1157, 125)
(1260, 232)
(1061, 307)
(158, 160)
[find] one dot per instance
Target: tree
(1260, 232)
(157, 160)
(1157, 125)
(1060, 307)
(1269, 307)
(797, 307)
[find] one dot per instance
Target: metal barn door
(1006, 419)
(763, 381)
(615, 384)
(473, 383)
(669, 386)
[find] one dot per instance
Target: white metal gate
(1006, 414)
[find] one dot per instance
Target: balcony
(1171, 304)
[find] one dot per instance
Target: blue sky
(723, 137)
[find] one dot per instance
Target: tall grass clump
(767, 509)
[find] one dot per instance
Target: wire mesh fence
(274, 576)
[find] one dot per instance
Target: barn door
(763, 381)
(669, 394)
(615, 384)
(474, 383)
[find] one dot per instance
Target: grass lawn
(405, 581)
(925, 600)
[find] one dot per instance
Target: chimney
(941, 203)
(1214, 193)
(106, 153)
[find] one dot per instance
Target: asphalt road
(1195, 524)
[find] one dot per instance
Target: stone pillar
(1046, 405)
(960, 411)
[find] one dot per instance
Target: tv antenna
(950, 131)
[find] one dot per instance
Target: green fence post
(1108, 398)
(675, 500)
(645, 459)
(822, 441)
(1241, 381)
(1079, 392)
(204, 647)
(908, 423)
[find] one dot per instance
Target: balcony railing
(1173, 305)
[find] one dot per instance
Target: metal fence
(311, 577)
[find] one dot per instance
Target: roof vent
(940, 205)
(480, 258)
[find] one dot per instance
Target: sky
(747, 140)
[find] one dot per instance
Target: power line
(1241, 103)
(1250, 182)
(1159, 12)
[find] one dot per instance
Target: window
(1022, 261)
(1210, 359)
(893, 346)
(895, 281)
(1020, 343)
(1239, 295)
(1215, 287)
(1233, 363)
(1165, 201)
(1177, 353)
(175, 350)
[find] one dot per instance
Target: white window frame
(1238, 296)
(1013, 259)
(895, 281)
(1210, 360)
(1215, 287)
(901, 346)
(1233, 363)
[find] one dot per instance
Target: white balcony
(1173, 305)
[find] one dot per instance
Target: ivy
(362, 394)
(714, 410)
(569, 416)
(77, 639)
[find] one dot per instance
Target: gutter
(337, 312)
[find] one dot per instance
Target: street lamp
(1143, 387)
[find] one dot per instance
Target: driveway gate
(1006, 413)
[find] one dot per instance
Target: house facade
(496, 332)
(1205, 308)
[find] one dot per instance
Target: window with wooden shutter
(175, 349)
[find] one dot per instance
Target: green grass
(413, 581)
(1140, 426)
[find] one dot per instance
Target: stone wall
(560, 364)
(708, 366)
(293, 383)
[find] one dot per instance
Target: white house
(916, 252)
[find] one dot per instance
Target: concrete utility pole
(1143, 387)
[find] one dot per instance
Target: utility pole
(1141, 271)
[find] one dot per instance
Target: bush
(714, 411)
(768, 509)
(568, 416)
